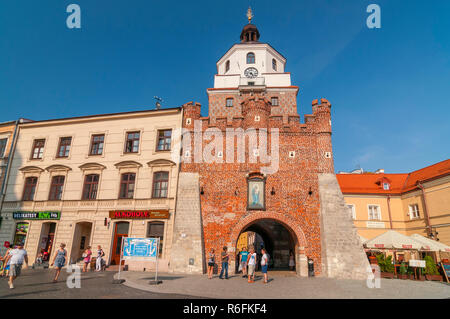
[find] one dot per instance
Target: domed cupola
(250, 32)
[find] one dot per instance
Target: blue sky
(389, 87)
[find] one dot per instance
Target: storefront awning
(393, 240)
(429, 244)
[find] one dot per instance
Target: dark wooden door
(120, 231)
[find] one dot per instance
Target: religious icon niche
(256, 193)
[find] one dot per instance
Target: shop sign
(417, 263)
(379, 245)
(37, 215)
(407, 246)
(139, 214)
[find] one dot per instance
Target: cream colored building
(7, 130)
(70, 176)
(414, 203)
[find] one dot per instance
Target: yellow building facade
(414, 203)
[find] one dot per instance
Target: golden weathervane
(249, 14)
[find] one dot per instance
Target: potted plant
(410, 273)
(386, 266)
(402, 273)
(421, 276)
(431, 271)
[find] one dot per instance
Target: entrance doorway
(278, 241)
(120, 231)
(81, 240)
(46, 240)
(20, 234)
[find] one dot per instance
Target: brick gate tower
(251, 165)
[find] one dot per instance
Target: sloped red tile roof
(371, 183)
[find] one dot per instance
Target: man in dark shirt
(225, 258)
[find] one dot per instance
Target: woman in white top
(251, 265)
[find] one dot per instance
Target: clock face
(251, 73)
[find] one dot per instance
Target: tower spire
(249, 15)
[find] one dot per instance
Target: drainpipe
(425, 208)
(12, 150)
(389, 210)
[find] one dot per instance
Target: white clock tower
(248, 67)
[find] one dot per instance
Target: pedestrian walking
(99, 260)
(251, 265)
(59, 260)
(291, 260)
(87, 258)
(264, 263)
(211, 263)
(225, 258)
(243, 261)
(16, 258)
(6, 266)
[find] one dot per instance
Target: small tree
(403, 269)
(389, 266)
(430, 266)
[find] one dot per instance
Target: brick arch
(285, 220)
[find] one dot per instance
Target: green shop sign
(37, 215)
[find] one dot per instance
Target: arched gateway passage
(280, 235)
(274, 237)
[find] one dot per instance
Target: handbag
(84, 255)
(240, 267)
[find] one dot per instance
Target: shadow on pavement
(162, 278)
(27, 293)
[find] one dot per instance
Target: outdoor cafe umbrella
(429, 244)
(393, 240)
(363, 240)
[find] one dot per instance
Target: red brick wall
(295, 203)
(217, 103)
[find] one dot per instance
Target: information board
(140, 248)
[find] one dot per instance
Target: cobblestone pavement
(37, 284)
(284, 287)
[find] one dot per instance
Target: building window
(64, 147)
(90, 187)
(229, 102)
(127, 185)
(56, 188)
(274, 101)
(38, 149)
(274, 64)
(250, 58)
(3, 143)
(132, 142)
(352, 208)
(97, 144)
(414, 211)
(227, 66)
(29, 188)
(156, 230)
(386, 186)
(160, 184)
(164, 140)
(374, 212)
